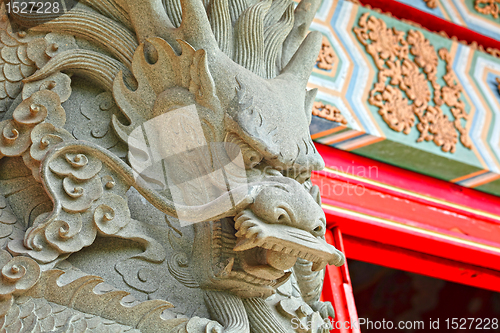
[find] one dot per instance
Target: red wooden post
(338, 290)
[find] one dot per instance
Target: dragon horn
(195, 26)
(303, 61)
(149, 18)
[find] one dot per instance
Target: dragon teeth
(277, 247)
(246, 244)
(266, 246)
(318, 266)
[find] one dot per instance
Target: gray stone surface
(154, 169)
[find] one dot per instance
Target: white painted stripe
(361, 79)
(461, 60)
(452, 11)
(485, 178)
(339, 103)
(324, 9)
(364, 140)
(479, 73)
(340, 80)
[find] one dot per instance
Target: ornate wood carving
(326, 56)
(487, 7)
(329, 112)
(431, 3)
(408, 91)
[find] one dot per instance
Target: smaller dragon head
(252, 254)
(272, 117)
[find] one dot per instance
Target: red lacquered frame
(404, 220)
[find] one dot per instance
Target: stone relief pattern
(487, 7)
(83, 305)
(94, 123)
(39, 315)
(10, 228)
(402, 92)
(35, 128)
(14, 63)
(21, 54)
(88, 181)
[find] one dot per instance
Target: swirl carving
(88, 186)
(18, 274)
(111, 217)
(35, 127)
(487, 7)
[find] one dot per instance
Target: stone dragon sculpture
(161, 146)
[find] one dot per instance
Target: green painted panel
(419, 161)
(491, 188)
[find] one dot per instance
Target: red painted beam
(417, 262)
(376, 200)
(406, 212)
(387, 174)
(423, 243)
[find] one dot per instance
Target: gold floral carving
(473, 44)
(326, 56)
(431, 3)
(329, 112)
(408, 91)
(487, 7)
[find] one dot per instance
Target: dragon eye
(283, 216)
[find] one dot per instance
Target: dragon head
(246, 75)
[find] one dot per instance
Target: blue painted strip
(475, 179)
(347, 141)
(476, 126)
(357, 75)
